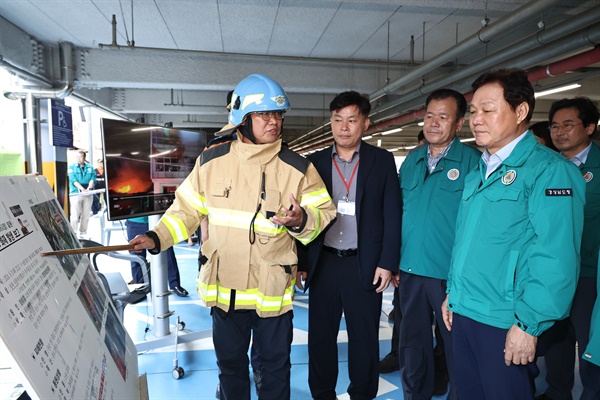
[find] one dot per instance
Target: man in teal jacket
(432, 180)
(572, 125)
(514, 264)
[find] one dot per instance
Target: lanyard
(346, 184)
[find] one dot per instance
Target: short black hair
(516, 85)
(420, 136)
(351, 98)
(443, 94)
(587, 110)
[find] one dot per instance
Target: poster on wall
(57, 320)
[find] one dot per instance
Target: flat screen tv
(144, 165)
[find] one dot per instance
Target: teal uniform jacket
(592, 352)
(591, 226)
(83, 175)
(516, 256)
(429, 207)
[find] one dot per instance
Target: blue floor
(197, 358)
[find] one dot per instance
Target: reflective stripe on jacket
(226, 185)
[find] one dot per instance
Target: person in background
(262, 198)
(82, 179)
(541, 130)
(97, 205)
(514, 266)
(139, 226)
(432, 181)
(347, 268)
(572, 125)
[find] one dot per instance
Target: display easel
(162, 336)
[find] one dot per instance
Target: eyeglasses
(566, 127)
(266, 116)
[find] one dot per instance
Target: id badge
(346, 207)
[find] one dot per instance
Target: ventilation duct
(66, 72)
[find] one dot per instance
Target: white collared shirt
(581, 158)
(493, 161)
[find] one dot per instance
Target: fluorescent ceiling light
(468, 140)
(378, 142)
(421, 123)
(557, 90)
(391, 131)
(409, 147)
(368, 137)
(394, 149)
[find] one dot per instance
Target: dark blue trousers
(336, 288)
(479, 369)
(420, 298)
(272, 336)
(559, 343)
(137, 228)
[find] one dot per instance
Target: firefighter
(260, 197)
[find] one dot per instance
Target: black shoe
(390, 363)
(543, 396)
(181, 292)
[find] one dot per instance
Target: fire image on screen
(144, 165)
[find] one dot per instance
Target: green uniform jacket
(592, 352)
(518, 235)
(429, 207)
(591, 216)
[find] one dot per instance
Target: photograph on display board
(58, 232)
(114, 339)
(92, 297)
(12, 231)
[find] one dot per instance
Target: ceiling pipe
(533, 42)
(66, 72)
(550, 70)
(485, 35)
(554, 69)
(488, 33)
(585, 37)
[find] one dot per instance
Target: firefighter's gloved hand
(292, 217)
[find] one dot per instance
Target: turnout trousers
(231, 338)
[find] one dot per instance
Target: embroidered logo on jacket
(509, 177)
(453, 174)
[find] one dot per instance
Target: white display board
(56, 319)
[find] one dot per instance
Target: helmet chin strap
(246, 130)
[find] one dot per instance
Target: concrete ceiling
(175, 60)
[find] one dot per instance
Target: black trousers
(273, 338)
(335, 289)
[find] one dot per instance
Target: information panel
(56, 319)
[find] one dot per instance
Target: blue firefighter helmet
(256, 93)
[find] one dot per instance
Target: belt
(341, 253)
